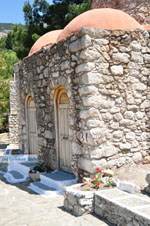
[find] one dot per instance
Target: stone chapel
(83, 94)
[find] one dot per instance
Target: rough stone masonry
(106, 75)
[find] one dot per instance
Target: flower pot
(35, 176)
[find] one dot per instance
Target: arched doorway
(63, 139)
(32, 126)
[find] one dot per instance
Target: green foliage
(109, 182)
(76, 10)
(35, 37)
(7, 60)
(16, 41)
(2, 42)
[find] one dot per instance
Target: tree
(41, 18)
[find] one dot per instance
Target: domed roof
(146, 26)
(47, 39)
(104, 18)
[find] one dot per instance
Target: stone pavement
(19, 206)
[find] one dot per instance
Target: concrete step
(3, 146)
(52, 184)
(42, 189)
(59, 179)
(15, 177)
(122, 208)
(23, 168)
(18, 172)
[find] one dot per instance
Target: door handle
(65, 137)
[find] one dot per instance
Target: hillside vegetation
(6, 26)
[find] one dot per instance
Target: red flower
(97, 169)
(94, 177)
(98, 184)
(100, 171)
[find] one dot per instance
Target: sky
(11, 11)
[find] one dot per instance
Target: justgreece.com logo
(21, 158)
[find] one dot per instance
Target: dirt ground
(3, 137)
(135, 174)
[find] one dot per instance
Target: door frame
(28, 100)
(58, 92)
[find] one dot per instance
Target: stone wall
(106, 75)
(139, 9)
(13, 118)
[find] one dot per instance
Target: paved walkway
(19, 206)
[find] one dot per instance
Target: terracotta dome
(146, 26)
(47, 39)
(105, 18)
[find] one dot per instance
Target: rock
(147, 189)
(94, 123)
(90, 78)
(126, 122)
(147, 160)
(128, 187)
(139, 86)
(145, 104)
(108, 173)
(89, 54)
(85, 67)
(137, 157)
(114, 110)
(135, 46)
(130, 136)
(117, 70)
(109, 150)
(64, 65)
(118, 117)
(106, 116)
(90, 166)
(125, 146)
(148, 178)
(85, 90)
(85, 41)
(147, 58)
(48, 134)
(86, 180)
(139, 115)
(137, 57)
(121, 57)
(117, 134)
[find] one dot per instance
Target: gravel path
(19, 206)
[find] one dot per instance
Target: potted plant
(36, 171)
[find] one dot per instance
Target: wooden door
(32, 128)
(65, 155)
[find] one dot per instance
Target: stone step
(59, 179)
(15, 177)
(45, 190)
(121, 208)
